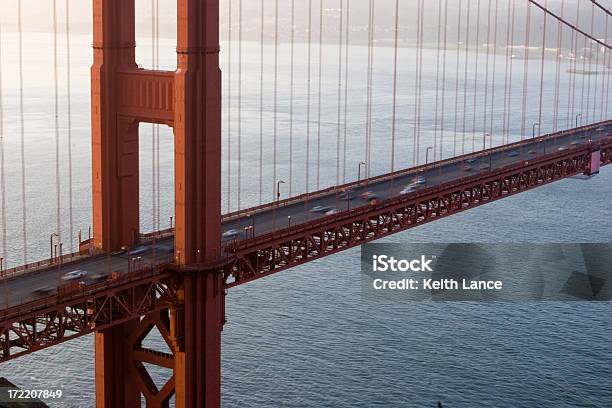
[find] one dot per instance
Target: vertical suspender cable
(339, 124)
(526, 70)
(595, 87)
(56, 124)
(465, 78)
(575, 69)
(308, 86)
(558, 69)
(229, 107)
(494, 74)
(588, 97)
(319, 94)
(370, 91)
(346, 79)
(570, 86)
(457, 78)
(415, 143)
(239, 103)
(275, 186)
(439, 38)
(291, 86)
(22, 137)
(69, 117)
(369, 85)
(606, 87)
(477, 44)
(444, 55)
(157, 152)
(542, 70)
(153, 130)
(2, 174)
(508, 71)
(420, 89)
(261, 77)
(582, 112)
(486, 95)
(393, 120)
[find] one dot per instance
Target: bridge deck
(27, 286)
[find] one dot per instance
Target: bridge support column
(115, 386)
(197, 130)
(114, 137)
(196, 332)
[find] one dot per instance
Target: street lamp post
(533, 129)
(278, 189)
(359, 170)
(427, 154)
(578, 116)
(484, 140)
(51, 245)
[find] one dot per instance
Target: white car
(73, 275)
(230, 233)
(333, 211)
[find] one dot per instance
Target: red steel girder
(40, 324)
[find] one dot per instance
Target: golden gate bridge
(121, 283)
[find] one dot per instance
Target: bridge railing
(413, 170)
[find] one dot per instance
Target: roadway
(44, 282)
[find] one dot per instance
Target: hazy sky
(37, 14)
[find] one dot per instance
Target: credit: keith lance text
(436, 284)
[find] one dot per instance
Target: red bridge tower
(188, 100)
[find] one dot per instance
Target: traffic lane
(24, 289)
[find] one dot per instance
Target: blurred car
(43, 290)
(419, 180)
(512, 153)
(562, 148)
(320, 209)
(332, 212)
(410, 188)
(466, 167)
(231, 233)
(140, 250)
(575, 143)
(368, 195)
(73, 275)
(533, 151)
(471, 160)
